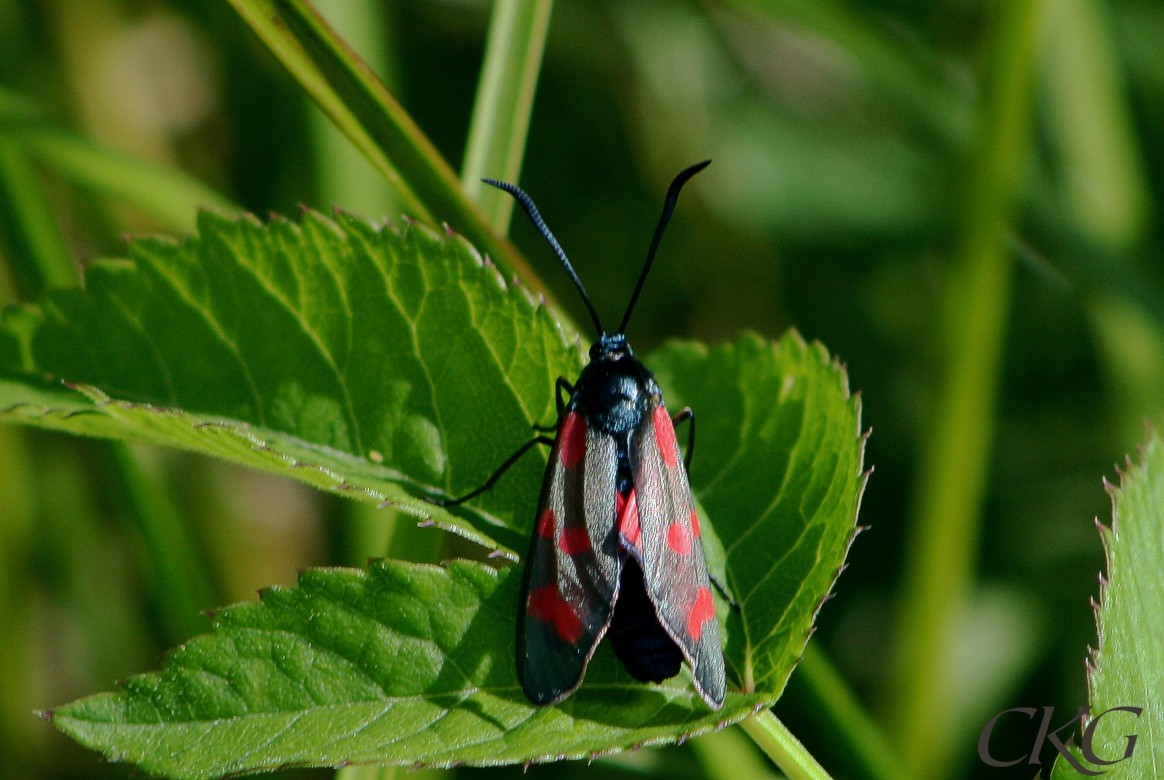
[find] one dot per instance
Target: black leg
(561, 403)
(689, 416)
(731, 602)
(559, 386)
(489, 483)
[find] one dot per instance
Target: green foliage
(406, 663)
(778, 470)
(847, 196)
(501, 112)
(347, 91)
(302, 349)
(1127, 669)
(166, 193)
(399, 363)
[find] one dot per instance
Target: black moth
(616, 546)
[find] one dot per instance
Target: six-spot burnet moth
(616, 546)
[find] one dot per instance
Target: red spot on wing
(702, 611)
(678, 539)
(546, 524)
(574, 541)
(572, 441)
(665, 436)
(694, 524)
(547, 606)
(627, 510)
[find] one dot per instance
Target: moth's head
(611, 348)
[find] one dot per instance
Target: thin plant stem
(730, 755)
(345, 177)
(785, 750)
(181, 581)
(850, 721)
(954, 459)
(348, 92)
(345, 89)
(17, 516)
(366, 772)
(501, 112)
(34, 250)
(1105, 184)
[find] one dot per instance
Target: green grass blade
(1105, 190)
(1105, 184)
(344, 176)
(182, 585)
(954, 459)
(851, 722)
(17, 520)
(167, 193)
(180, 577)
(358, 103)
(783, 748)
(501, 112)
(34, 250)
(730, 755)
(106, 599)
(898, 76)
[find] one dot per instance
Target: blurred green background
(851, 142)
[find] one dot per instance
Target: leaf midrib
(216, 329)
(307, 330)
(161, 364)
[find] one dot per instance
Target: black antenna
(528, 204)
(668, 209)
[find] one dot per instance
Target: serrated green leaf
(1128, 668)
(395, 364)
(778, 469)
(350, 94)
(404, 664)
(286, 347)
(415, 663)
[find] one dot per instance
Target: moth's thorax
(615, 389)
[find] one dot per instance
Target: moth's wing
(669, 546)
(572, 570)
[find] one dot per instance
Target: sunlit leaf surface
(399, 365)
(778, 469)
(334, 352)
(1127, 670)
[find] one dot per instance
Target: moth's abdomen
(638, 640)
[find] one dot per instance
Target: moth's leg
(489, 483)
(726, 597)
(558, 387)
(689, 416)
